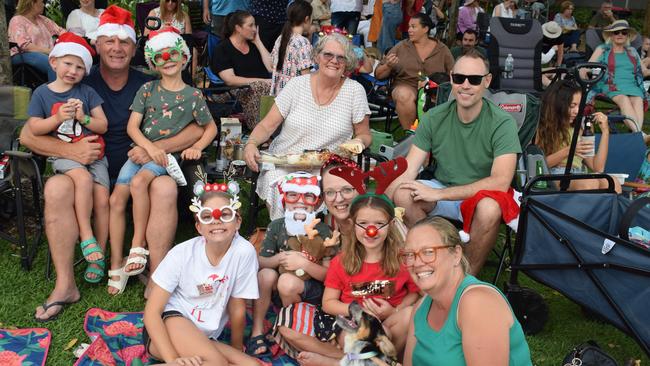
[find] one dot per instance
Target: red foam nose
(165, 56)
(216, 213)
(372, 231)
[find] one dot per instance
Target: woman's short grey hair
(350, 58)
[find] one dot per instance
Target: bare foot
(314, 359)
(69, 297)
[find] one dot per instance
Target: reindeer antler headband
(384, 174)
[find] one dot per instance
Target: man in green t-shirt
(475, 146)
(470, 41)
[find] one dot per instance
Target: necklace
(320, 104)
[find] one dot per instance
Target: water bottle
(539, 170)
(588, 136)
(509, 67)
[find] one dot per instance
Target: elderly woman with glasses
(623, 80)
(317, 111)
(461, 320)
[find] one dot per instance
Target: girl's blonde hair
(178, 14)
(449, 235)
(24, 6)
(354, 252)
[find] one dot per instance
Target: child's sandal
(120, 284)
(139, 258)
(89, 247)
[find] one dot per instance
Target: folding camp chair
(24, 74)
(523, 39)
(21, 185)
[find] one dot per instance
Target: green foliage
(53, 11)
(583, 16)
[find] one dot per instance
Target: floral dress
(296, 59)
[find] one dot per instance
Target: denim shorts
(130, 169)
(448, 209)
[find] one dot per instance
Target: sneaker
(174, 170)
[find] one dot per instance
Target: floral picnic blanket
(24, 347)
(117, 339)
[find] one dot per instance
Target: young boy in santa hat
(71, 111)
(293, 257)
(161, 109)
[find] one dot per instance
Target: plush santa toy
(508, 202)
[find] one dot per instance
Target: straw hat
(551, 30)
(618, 25)
(468, 2)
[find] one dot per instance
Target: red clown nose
(165, 56)
(372, 231)
(216, 213)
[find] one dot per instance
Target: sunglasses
(208, 216)
(623, 32)
(427, 255)
(328, 56)
(307, 198)
(171, 1)
(473, 79)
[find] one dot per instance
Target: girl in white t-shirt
(200, 285)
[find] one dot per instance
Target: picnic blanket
(117, 339)
(24, 347)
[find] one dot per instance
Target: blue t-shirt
(116, 107)
(225, 7)
(45, 103)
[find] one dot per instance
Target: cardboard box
(230, 127)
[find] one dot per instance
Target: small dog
(366, 342)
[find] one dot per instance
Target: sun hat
(468, 2)
(551, 30)
(618, 25)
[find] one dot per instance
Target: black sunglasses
(171, 1)
(623, 32)
(473, 79)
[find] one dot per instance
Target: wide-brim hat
(551, 30)
(618, 25)
(468, 2)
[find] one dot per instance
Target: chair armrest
(19, 154)
(636, 185)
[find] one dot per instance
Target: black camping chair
(21, 185)
(24, 74)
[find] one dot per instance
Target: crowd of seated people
(136, 131)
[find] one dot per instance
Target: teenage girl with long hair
(291, 55)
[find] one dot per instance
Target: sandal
(120, 284)
(89, 247)
(99, 272)
(46, 306)
(255, 343)
(139, 258)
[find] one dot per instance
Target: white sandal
(120, 284)
(140, 258)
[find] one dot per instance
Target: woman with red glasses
(461, 320)
(170, 13)
(623, 81)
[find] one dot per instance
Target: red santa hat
(508, 202)
(167, 37)
(299, 182)
(69, 43)
(116, 21)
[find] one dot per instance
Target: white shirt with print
(199, 290)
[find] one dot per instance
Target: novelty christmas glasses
(208, 215)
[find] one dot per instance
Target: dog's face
(364, 335)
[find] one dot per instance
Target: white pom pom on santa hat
(166, 37)
(508, 202)
(69, 43)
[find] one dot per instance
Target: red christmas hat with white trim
(299, 182)
(116, 21)
(508, 202)
(71, 44)
(166, 37)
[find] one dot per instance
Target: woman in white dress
(85, 20)
(317, 111)
(505, 9)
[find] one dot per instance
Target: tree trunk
(5, 59)
(453, 20)
(646, 23)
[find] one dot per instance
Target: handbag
(588, 354)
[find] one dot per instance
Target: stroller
(578, 243)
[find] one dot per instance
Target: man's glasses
(473, 79)
(307, 198)
(346, 193)
(427, 255)
(623, 32)
(328, 56)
